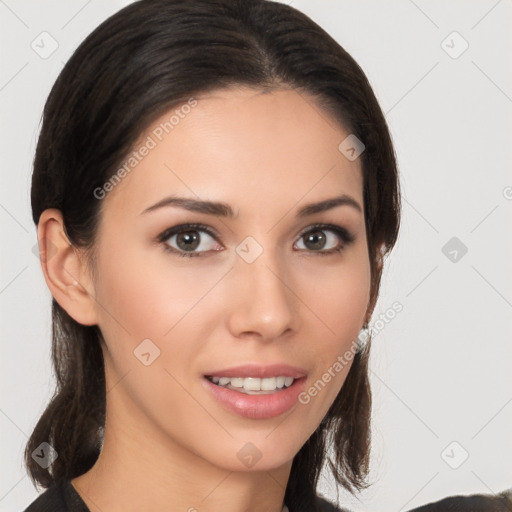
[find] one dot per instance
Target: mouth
(255, 397)
(256, 391)
(254, 385)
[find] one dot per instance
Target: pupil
(317, 238)
(190, 240)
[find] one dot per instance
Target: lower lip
(257, 407)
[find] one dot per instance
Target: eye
(188, 240)
(325, 239)
(192, 240)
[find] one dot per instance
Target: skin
(168, 444)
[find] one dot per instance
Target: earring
(363, 338)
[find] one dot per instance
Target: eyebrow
(224, 210)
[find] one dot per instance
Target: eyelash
(346, 237)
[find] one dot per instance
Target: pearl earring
(363, 338)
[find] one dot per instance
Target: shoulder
(501, 502)
(322, 505)
(51, 500)
(59, 497)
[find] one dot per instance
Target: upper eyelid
(327, 226)
(167, 233)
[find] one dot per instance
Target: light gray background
(441, 368)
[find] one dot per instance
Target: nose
(263, 303)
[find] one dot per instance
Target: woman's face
(260, 287)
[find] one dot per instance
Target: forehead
(259, 151)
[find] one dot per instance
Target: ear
(65, 274)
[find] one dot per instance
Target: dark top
(59, 497)
(62, 497)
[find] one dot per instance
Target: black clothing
(473, 503)
(59, 497)
(62, 497)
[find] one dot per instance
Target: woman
(215, 191)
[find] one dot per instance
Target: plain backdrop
(440, 369)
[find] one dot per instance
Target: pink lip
(257, 406)
(255, 370)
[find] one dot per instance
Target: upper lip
(256, 370)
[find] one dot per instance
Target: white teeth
(251, 384)
(237, 382)
(268, 384)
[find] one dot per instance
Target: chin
(253, 456)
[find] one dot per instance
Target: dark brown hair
(146, 58)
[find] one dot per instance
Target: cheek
(340, 295)
(143, 300)
(144, 297)
(144, 293)
(339, 299)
